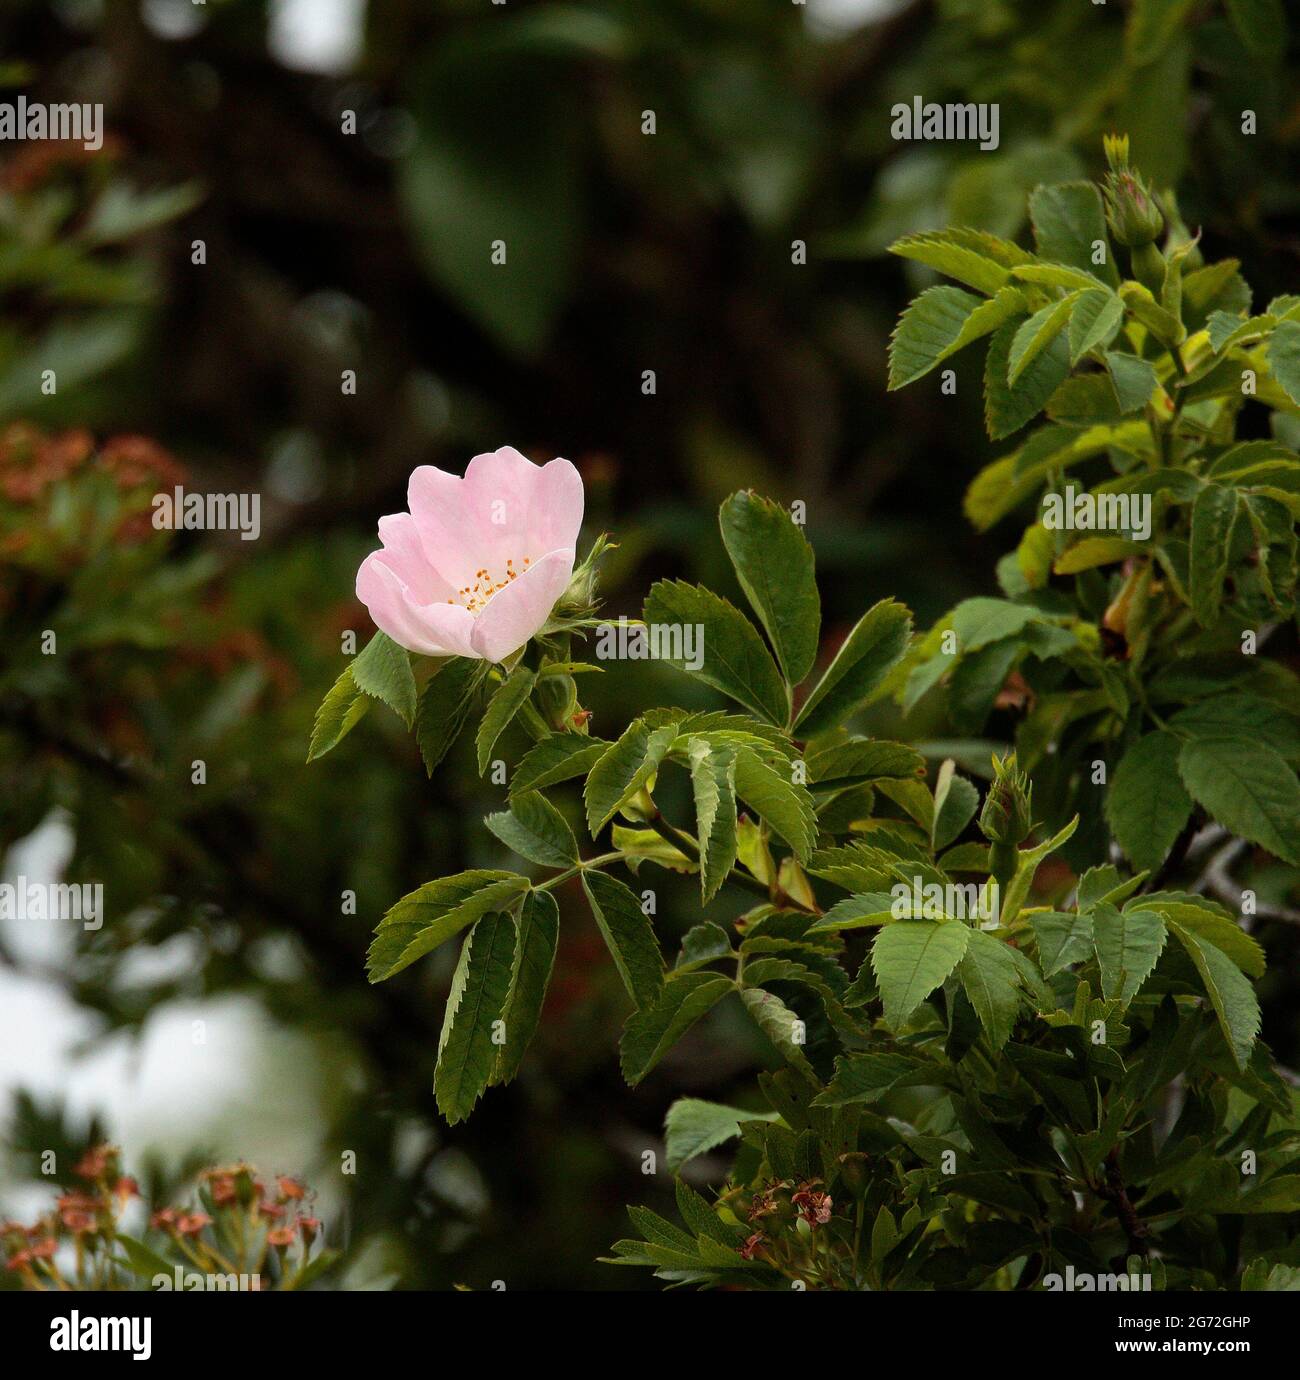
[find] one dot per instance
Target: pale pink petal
(556, 516)
(434, 629)
(514, 614)
(504, 512)
(403, 554)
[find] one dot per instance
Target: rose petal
(515, 613)
(435, 629)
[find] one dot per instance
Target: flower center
(475, 597)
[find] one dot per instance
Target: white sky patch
(835, 18)
(218, 1075)
(323, 36)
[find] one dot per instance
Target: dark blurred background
(291, 190)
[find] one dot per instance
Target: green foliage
(968, 1052)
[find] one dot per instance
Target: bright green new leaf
(949, 255)
(714, 789)
(1033, 336)
(1094, 323)
(928, 331)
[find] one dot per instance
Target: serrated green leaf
(990, 978)
(1284, 358)
(863, 759)
(785, 1030)
(910, 958)
(955, 803)
(1212, 923)
(1063, 938)
(1068, 222)
(537, 935)
(928, 331)
(383, 669)
(466, 1048)
(343, 707)
(432, 913)
(1226, 329)
(1133, 379)
(628, 935)
(1146, 805)
(1231, 995)
(1007, 409)
(949, 255)
(1094, 323)
(536, 830)
(1035, 334)
(1248, 788)
(1128, 944)
(874, 647)
(735, 660)
(1213, 514)
(714, 789)
(774, 564)
(856, 912)
(786, 806)
(703, 943)
(694, 1127)
(558, 758)
(653, 1030)
(444, 707)
(507, 700)
(623, 769)
(866, 1078)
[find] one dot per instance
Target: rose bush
(987, 1073)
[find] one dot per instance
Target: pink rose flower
(477, 565)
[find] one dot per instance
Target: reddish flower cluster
(780, 1204)
(88, 1216)
(31, 461)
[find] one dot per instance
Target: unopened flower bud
(1131, 210)
(1007, 815)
